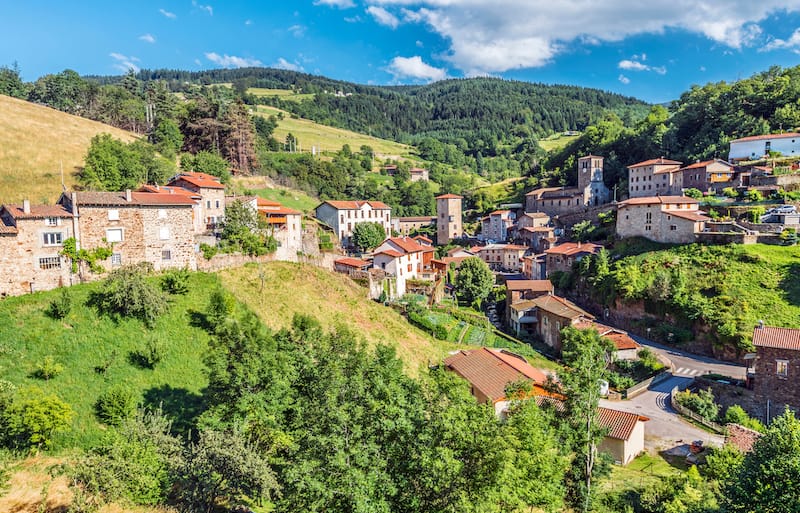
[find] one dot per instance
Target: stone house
(533, 267)
(342, 216)
(777, 368)
(418, 174)
(562, 256)
(554, 313)
(756, 146)
(405, 225)
(655, 177)
(31, 240)
(667, 219)
(198, 210)
(522, 290)
(141, 227)
(708, 176)
(212, 195)
(402, 258)
(502, 257)
(589, 191)
(625, 348)
(497, 226)
(449, 222)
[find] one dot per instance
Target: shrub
(32, 417)
(176, 281)
(754, 195)
(220, 307)
(127, 293)
(730, 192)
(208, 250)
(151, 353)
(48, 368)
(620, 382)
(736, 415)
(61, 306)
(115, 406)
(702, 403)
(693, 193)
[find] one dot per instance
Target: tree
(756, 213)
(243, 230)
(167, 137)
(10, 82)
(32, 417)
(693, 193)
(209, 163)
(768, 479)
(474, 280)
(586, 356)
(239, 137)
(754, 195)
(127, 293)
(367, 236)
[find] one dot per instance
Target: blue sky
(651, 50)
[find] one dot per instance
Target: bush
(126, 293)
(48, 368)
(220, 307)
(176, 281)
(730, 192)
(702, 403)
(208, 250)
(736, 415)
(31, 418)
(61, 306)
(754, 195)
(150, 354)
(115, 406)
(620, 382)
(693, 193)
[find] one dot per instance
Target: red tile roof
(787, 135)
(561, 307)
(352, 262)
(661, 161)
(202, 180)
(423, 238)
(619, 338)
(500, 212)
(417, 170)
(408, 245)
(574, 248)
(356, 205)
(490, 371)
(37, 211)
(663, 200)
(705, 163)
(535, 285)
(392, 253)
(449, 196)
(168, 189)
(262, 202)
(741, 437)
(619, 423)
(778, 338)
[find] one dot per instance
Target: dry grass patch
(334, 300)
(36, 141)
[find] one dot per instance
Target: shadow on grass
(200, 320)
(180, 405)
(790, 284)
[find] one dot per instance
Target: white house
(402, 258)
(342, 216)
(756, 146)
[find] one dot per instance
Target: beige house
(554, 313)
(522, 290)
(343, 216)
(708, 176)
(502, 257)
(625, 438)
(418, 174)
(198, 210)
(31, 240)
(211, 192)
(141, 227)
(667, 219)
(653, 177)
(285, 225)
(562, 256)
(405, 225)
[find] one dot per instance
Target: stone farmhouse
(777, 368)
(418, 174)
(211, 192)
(757, 146)
(590, 191)
(655, 177)
(31, 240)
(563, 256)
(668, 219)
(708, 176)
(342, 216)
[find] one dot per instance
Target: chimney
(26, 206)
(74, 201)
(128, 195)
(761, 324)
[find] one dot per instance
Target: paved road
(691, 365)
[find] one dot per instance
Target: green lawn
(290, 198)
(641, 472)
(557, 141)
(83, 342)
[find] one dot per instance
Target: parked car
(785, 209)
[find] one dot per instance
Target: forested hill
(477, 115)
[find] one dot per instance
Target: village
(524, 245)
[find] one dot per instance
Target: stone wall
(20, 270)
(588, 214)
(768, 385)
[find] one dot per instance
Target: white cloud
(624, 79)
(170, 15)
(353, 19)
(248, 22)
(232, 61)
(297, 30)
(339, 4)
(282, 63)
(702, 68)
(206, 8)
(793, 43)
(496, 36)
(661, 70)
(419, 44)
(383, 16)
(415, 68)
(124, 63)
(148, 38)
(633, 65)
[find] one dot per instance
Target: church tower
(590, 180)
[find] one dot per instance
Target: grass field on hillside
(557, 141)
(284, 94)
(309, 133)
(36, 141)
(334, 300)
(264, 187)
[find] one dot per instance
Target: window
(50, 263)
(52, 221)
(116, 259)
(647, 228)
(782, 368)
(208, 203)
(52, 238)
(162, 213)
(113, 215)
(217, 204)
(673, 227)
(166, 254)
(114, 235)
(163, 233)
(648, 217)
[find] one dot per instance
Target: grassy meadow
(557, 141)
(283, 94)
(36, 141)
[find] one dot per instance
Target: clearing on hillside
(36, 142)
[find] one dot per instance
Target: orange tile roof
(263, 202)
(490, 371)
(500, 212)
(618, 337)
(423, 239)
(352, 262)
(37, 211)
(449, 196)
(619, 423)
(390, 252)
(661, 161)
(356, 205)
(705, 163)
(691, 215)
(778, 338)
(107, 199)
(741, 437)
(407, 244)
(202, 180)
(168, 189)
(535, 285)
(561, 307)
(161, 198)
(653, 200)
(787, 135)
(574, 248)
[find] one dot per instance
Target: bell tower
(590, 171)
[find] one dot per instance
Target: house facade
(402, 258)
(342, 216)
(589, 191)
(757, 146)
(708, 176)
(406, 225)
(285, 225)
(518, 291)
(553, 314)
(502, 257)
(497, 226)
(625, 438)
(561, 257)
(667, 219)
(777, 371)
(31, 241)
(655, 177)
(448, 218)
(211, 192)
(418, 174)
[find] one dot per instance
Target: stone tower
(590, 180)
(448, 218)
